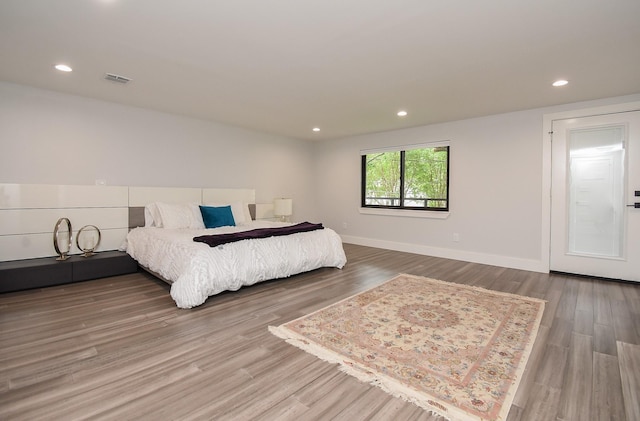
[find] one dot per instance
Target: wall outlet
(456, 237)
(345, 225)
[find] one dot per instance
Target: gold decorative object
(88, 243)
(58, 236)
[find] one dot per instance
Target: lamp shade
(282, 207)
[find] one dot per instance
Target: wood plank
(543, 404)
(533, 366)
(626, 327)
(607, 402)
(118, 348)
(575, 398)
(604, 340)
(629, 362)
(602, 305)
(567, 305)
(583, 322)
(551, 372)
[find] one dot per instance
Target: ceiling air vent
(116, 78)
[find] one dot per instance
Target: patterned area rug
(455, 350)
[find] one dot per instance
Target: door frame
(545, 252)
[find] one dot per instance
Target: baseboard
(465, 256)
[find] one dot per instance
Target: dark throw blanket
(217, 239)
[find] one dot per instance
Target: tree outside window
(416, 179)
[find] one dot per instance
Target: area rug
(455, 350)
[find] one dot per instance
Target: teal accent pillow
(214, 217)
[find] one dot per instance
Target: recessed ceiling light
(316, 129)
(560, 82)
(402, 113)
(63, 67)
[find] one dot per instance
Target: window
(414, 178)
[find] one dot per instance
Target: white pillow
(197, 222)
(174, 216)
(152, 216)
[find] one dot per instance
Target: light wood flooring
(118, 348)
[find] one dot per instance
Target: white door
(595, 226)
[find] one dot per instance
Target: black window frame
(363, 188)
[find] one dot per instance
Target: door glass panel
(596, 192)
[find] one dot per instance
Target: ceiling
(345, 66)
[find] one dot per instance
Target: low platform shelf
(25, 274)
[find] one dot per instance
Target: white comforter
(198, 271)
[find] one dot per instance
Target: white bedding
(198, 271)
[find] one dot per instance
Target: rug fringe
(349, 367)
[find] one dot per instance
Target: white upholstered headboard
(29, 212)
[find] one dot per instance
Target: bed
(165, 246)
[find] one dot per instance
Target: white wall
(52, 138)
(497, 169)
(496, 179)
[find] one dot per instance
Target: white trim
(466, 256)
(545, 240)
(405, 213)
(406, 147)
